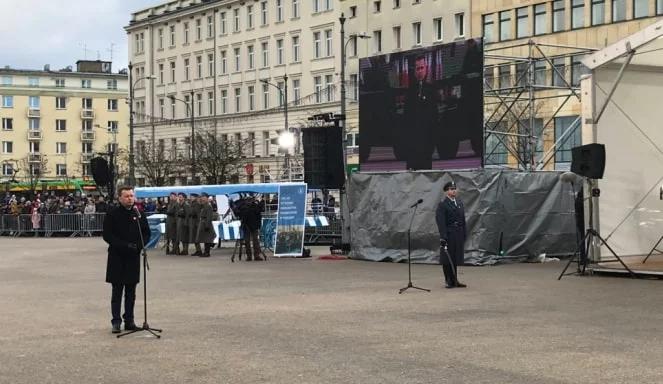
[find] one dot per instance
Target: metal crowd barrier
(68, 224)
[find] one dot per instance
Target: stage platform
(653, 268)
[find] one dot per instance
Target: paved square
(315, 321)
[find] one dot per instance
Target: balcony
(34, 157)
(87, 136)
(34, 134)
(33, 112)
(87, 114)
(86, 157)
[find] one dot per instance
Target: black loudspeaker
(100, 172)
(588, 160)
(323, 160)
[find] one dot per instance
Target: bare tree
(32, 167)
(153, 162)
(218, 160)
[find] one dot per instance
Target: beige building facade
(54, 122)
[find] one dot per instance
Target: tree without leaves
(26, 167)
(216, 158)
(153, 162)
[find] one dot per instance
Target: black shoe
(130, 326)
(460, 285)
(197, 253)
(204, 255)
(116, 328)
(449, 286)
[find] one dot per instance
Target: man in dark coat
(123, 235)
(450, 218)
(194, 217)
(171, 224)
(250, 215)
(181, 213)
(206, 234)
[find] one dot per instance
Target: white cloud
(55, 32)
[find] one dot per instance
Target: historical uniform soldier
(206, 234)
(249, 213)
(450, 218)
(193, 216)
(182, 225)
(171, 224)
(122, 231)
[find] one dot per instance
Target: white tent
(622, 101)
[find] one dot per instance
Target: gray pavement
(315, 321)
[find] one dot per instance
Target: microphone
(417, 203)
(137, 211)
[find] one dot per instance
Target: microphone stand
(146, 267)
(409, 260)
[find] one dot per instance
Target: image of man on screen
(415, 137)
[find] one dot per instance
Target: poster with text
(290, 220)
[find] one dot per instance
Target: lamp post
(344, 44)
(193, 132)
(284, 96)
(132, 85)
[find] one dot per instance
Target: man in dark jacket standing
(194, 217)
(250, 215)
(450, 218)
(171, 225)
(206, 234)
(122, 231)
(182, 226)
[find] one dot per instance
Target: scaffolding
(530, 74)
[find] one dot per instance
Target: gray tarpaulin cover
(533, 212)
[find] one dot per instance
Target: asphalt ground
(320, 321)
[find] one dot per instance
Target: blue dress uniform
(450, 218)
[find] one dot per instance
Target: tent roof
(647, 43)
(212, 190)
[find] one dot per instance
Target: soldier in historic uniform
(182, 224)
(206, 234)
(123, 226)
(450, 218)
(171, 225)
(194, 217)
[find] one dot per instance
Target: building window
(86, 147)
(279, 11)
(264, 54)
(317, 81)
(172, 71)
(186, 33)
(295, 49)
(111, 84)
(189, 105)
(7, 124)
(316, 6)
(659, 7)
(249, 51)
(210, 103)
(437, 29)
(172, 35)
(86, 103)
(488, 28)
(161, 107)
(172, 108)
(87, 125)
(598, 12)
(263, 13)
(161, 78)
(210, 27)
(570, 140)
(111, 126)
(7, 169)
(252, 98)
(279, 51)
(280, 86)
(59, 83)
(522, 24)
(236, 20)
(329, 87)
(504, 77)
(199, 67)
(296, 91)
(354, 84)
(416, 34)
(33, 124)
(199, 104)
(33, 81)
(60, 148)
(295, 9)
(496, 151)
(265, 144)
(377, 41)
(265, 96)
(397, 4)
(60, 125)
(558, 73)
(397, 41)
(112, 105)
(222, 23)
(377, 6)
(224, 63)
(238, 99)
(186, 69)
(85, 83)
(237, 60)
(505, 25)
(316, 44)
(577, 70)
(577, 13)
(540, 72)
(539, 19)
(559, 15)
(460, 24)
(160, 38)
(353, 11)
(224, 101)
(329, 43)
(7, 147)
(640, 8)
(7, 101)
(61, 169)
(210, 64)
(249, 16)
(618, 10)
(33, 101)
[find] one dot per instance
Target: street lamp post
(193, 132)
(132, 85)
(284, 96)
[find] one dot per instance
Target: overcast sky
(55, 32)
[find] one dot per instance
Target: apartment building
(54, 122)
(564, 31)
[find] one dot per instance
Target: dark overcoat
(171, 220)
(182, 222)
(451, 225)
(206, 232)
(194, 217)
(121, 229)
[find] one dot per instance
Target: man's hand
(443, 243)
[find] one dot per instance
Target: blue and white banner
(227, 231)
(317, 221)
(290, 220)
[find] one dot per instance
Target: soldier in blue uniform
(450, 218)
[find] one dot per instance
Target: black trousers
(449, 267)
(129, 300)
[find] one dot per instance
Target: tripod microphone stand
(409, 251)
(146, 267)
